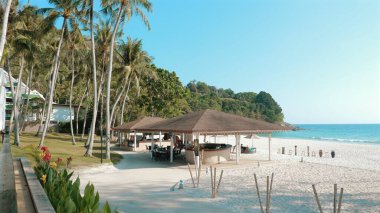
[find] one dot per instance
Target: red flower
(47, 157)
(44, 148)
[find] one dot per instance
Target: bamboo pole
(191, 174)
(335, 191)
(267, 199)
(212, 185)
(196, 165)
(317, 199)
(199, 174)
(340, 200)
(258, 193)
(220, 180)
(214, 182)
(270, 191)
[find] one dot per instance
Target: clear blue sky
(320, 59)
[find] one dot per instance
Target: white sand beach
(138, 184)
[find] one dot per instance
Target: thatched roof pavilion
(144, 122)
(213, 122)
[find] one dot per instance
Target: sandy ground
(138, 184)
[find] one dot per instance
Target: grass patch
(60, 146)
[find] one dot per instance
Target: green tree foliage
(248, 104)
(163, 96)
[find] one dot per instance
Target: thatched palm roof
(213, 122)
(144, 122)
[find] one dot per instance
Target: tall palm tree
(25, 45)
(68, 10)
(89, 5)
(136, 63)
(76, 42)
(126, 8)
(4, 28)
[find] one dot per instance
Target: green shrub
(63, 193)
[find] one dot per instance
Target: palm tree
(26, 45)
(4, 28)
(76, 40)
(136, 64)
(126, 8)
(68, 10)
(103, 37)
(90, 10)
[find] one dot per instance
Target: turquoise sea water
(353, 133)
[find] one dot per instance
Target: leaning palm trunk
(95, 109)
(16, 105)
(26, 109)
(79, 106)
(85, 118)
(46, 99)
(117, 100)
(55, 73)
(122, 112)
(92, 128)
(4, 28)
(13, 97)
(109, 77)
(71, 98)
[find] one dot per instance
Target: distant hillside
(249, 104)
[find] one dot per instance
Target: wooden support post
(317, 199)
(237, 138)
(258, 193)
(135, 142)
(171, 147)
(160, 139)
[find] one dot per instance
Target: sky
(319, 59)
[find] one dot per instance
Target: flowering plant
(63, 193)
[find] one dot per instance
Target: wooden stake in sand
(199, 174)
(214, 186)
(269, 192)
(335, 191)
(258, 193)
(317, 199)
(335, 195)
(340, 200)
(191, 174)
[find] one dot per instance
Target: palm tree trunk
(4, 28)
(95, 109)
(13, 96)
(109, 77)
(46, 99)
(85, 118)
(16, 105)
(118, 99)
(26, 109)
(71, 98)
(55, 72)
(79, 106)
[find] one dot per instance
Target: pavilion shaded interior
(205, 122)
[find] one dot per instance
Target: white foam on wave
(345, 140)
